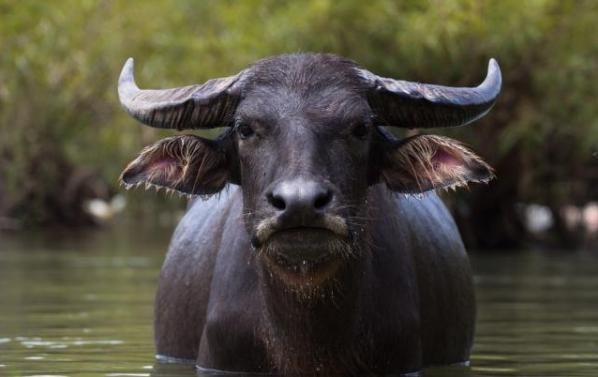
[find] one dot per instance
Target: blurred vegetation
(64, 138)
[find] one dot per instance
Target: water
(83, 307)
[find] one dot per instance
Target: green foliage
(60, 62)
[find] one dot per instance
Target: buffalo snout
(299, 201)
(302, 211)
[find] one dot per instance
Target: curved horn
(416, 105)
(196, 106)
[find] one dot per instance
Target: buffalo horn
(416, 105)
(207, 105)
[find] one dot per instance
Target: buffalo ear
(426, 162)
(187, 164)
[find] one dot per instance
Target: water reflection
(83, 306)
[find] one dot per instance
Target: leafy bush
(61, 123)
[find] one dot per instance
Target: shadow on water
(82, 305)
(173, 369)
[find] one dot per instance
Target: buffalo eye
(245, 130)
(360, 131)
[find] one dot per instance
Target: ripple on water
(34, 358)
(66, 342)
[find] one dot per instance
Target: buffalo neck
(316, 328)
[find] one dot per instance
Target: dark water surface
(83, 307)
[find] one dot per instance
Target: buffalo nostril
(277, 201)
(323, 199)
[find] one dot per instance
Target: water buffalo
(314, 257)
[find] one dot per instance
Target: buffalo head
(304, 141)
